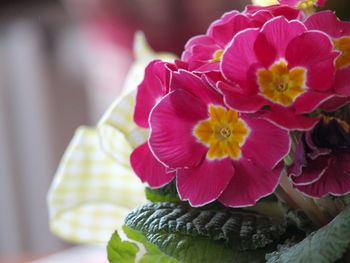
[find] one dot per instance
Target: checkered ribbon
(94, 187)
(92, 193)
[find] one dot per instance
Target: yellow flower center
(281, 85)
(217, 55)
(342, 45)
(223, 132)
(306, 4)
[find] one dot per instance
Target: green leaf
(167, 193)
(326, 245)
(205, 235)
(126, 252)
(121, 251)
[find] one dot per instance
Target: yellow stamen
(281, 85)
(306, 4)
(224, 133)
(342, 45)
(217, 55)
(342, 123)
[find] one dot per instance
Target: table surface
(77, 254)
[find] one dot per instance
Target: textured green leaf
(152, 254)
(189, 249)
(326, 245)
(126, 252)
(206, 235)
(166, 193)
(121, 251)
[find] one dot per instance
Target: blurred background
(61, 64)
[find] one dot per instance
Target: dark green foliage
(237, 229)
(326, 245)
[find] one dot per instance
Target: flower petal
(203, 184)
(312, 172)
(148, 169)
(342, 81)
(274, 38)
(228, 26)
(286, 118)
(313, 51)
(334, 103)
(238, 58)
(275, 10)
(234, 98)
(152, 88)
(325, 21)
(335, 180)
(172, 122)
(259, 147)
(197, 40)
(188, 81)
(250, 183)
(308, 101)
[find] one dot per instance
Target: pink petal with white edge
(203, 53)
(314, 52)
(271, 44)
(152, 89)
(234, 98)
(223, 20)
(288, 119)
(188, 81)
(250, 183)
(259, 147)
(309, 101)
(238, 58)
(327, 22)
(197, 40)
(172, 122)
(292, 3)
(206, 67)
(342, 81)
(148, 169)
(224, 32)
(312, 172)
(205, 183)
(275, 10)
(335, 180)
(334, 103)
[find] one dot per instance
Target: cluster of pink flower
(220, 117)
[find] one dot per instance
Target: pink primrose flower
(272, 11)
(322, 160)
(217, 153)
(339, 31)
(155, 85)
(302, 4)
(281, 70)
(203, 52)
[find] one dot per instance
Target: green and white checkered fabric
(94, 187)
(92, 193)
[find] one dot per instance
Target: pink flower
(302, 4)
(339, 31)
(154, 86)
(282, 70)
(273, 11)
(204, 52)
(217, 153)
(322, 160)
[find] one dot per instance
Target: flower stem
(286, 193)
